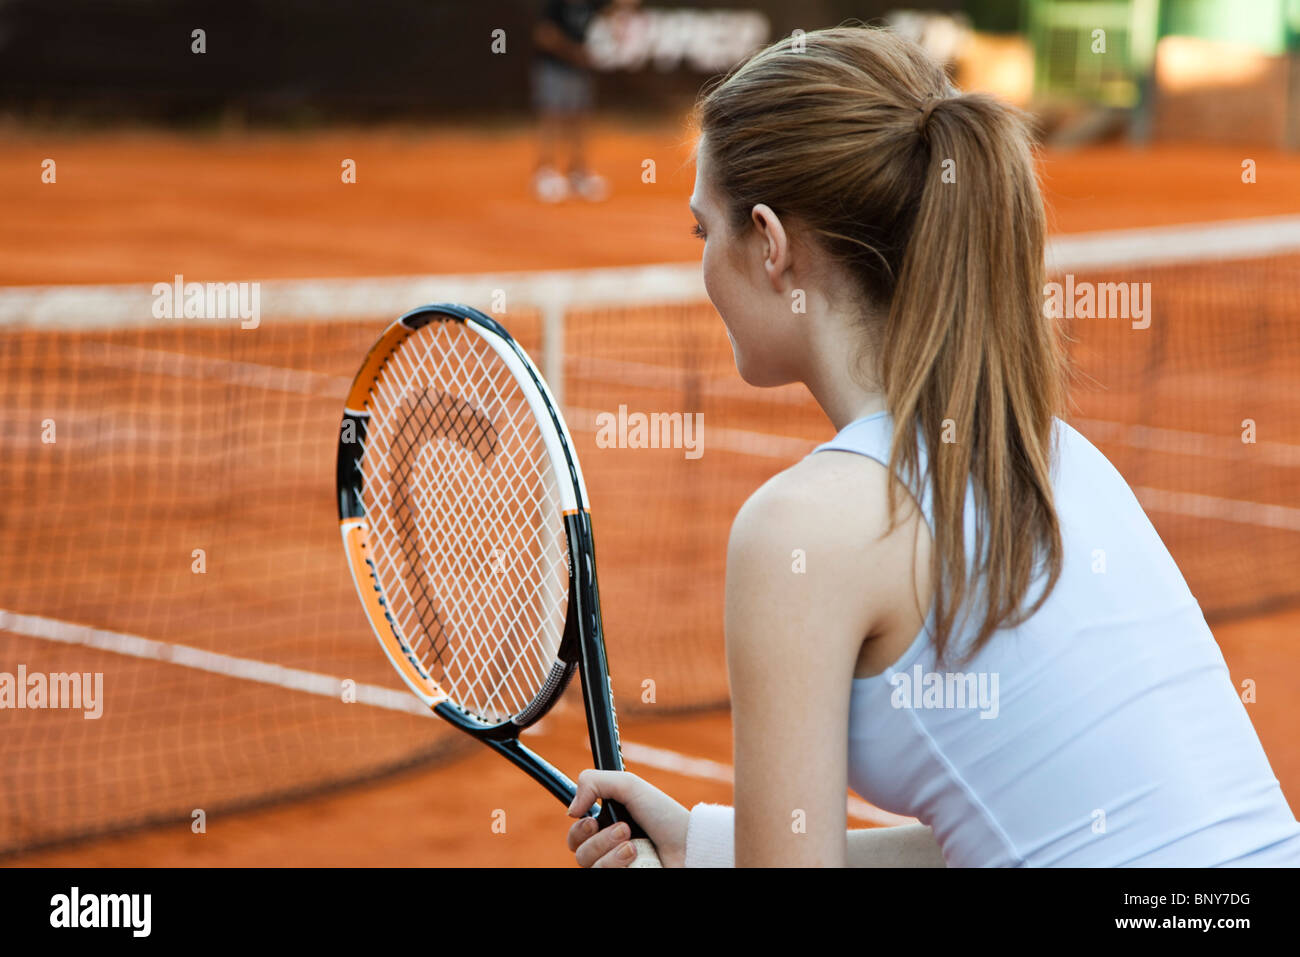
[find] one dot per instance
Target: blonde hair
(851, 137)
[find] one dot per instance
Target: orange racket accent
(375, 359)
(355, 535)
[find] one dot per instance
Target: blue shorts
(560, 88)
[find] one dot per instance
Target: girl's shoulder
(823, 525)
(841, 493)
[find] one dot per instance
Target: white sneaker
(590, 186)
(549, 185)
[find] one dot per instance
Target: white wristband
(711, 836)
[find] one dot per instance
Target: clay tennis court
(223, 439)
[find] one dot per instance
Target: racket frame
(582, 646)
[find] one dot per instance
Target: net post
(553, 347)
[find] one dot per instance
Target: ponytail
(969, 362)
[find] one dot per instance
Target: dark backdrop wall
(318, 60)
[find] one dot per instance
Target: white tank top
(1114, 734)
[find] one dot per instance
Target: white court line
(247, 669)
(327, 686)
(1199, 444)
(1233, 510)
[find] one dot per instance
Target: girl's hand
(662, 818)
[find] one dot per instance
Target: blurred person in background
(563, 96)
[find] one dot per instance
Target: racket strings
(475, 678)
(428, 415)
(467, 534)
(458, 541)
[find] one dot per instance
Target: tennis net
(170, 513)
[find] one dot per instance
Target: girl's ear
(776, 245)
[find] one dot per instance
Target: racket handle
(646, 855)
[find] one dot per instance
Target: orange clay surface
(138, 206)
(443, 816)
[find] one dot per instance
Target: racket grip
(646, 855)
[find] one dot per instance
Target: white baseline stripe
(248, 669)
(1199, 444)
(295, 679)
(1232, 510)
